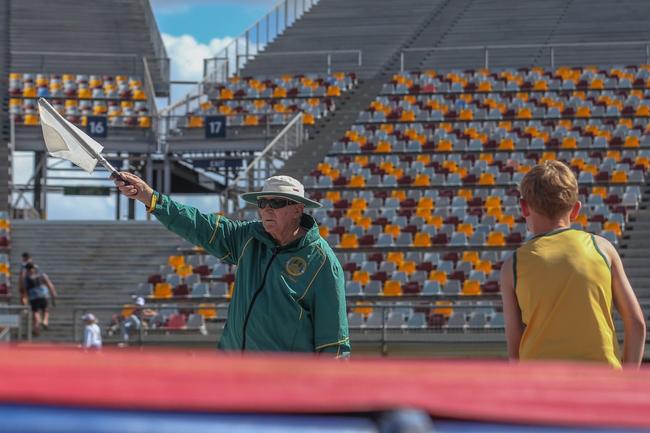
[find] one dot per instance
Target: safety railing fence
(266, 164)
(15, 323)
(544, 54)
(254, 39)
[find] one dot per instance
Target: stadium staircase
(91, 262)
(635, 249)
(124, 27)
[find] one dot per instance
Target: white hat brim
(251, 197)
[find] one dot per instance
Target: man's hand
(136, 188)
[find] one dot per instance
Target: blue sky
(191, 30)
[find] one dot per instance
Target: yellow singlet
(563, 284)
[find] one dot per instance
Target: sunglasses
(275, 203)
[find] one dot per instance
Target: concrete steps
(91, 262)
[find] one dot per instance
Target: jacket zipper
(257, 292)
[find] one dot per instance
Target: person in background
(38, 289)
(92, 339)
(25, 258)
(558, 288)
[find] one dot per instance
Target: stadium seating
(122, 99)
(248, 101)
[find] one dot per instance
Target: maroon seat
(367, 241)
(202, 270)
(155, 279)
(181, 290)
(490, 287)
(412, 287)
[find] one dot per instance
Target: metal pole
(647, 54)
(552, 58)
(257, 37)
(277, 21)
(360, 58)
(247, 46)
(329, 64)
(286, 13)
(167, 175)
(237, 56)
(268, 25)
(401, 62)
(487, 58)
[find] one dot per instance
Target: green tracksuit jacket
(289, 298)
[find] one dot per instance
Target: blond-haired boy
(558, 288)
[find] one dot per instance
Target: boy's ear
(575, 211)
(525, 210)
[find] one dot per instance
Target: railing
(327, 53)
(266, 164)
(151, 100)
(16, 317)
(551, 47)
(158, 45)
(255, 38)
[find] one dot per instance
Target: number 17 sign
(215, 126)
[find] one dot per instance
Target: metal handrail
(305, 53)
(552, 47)
(148, 82)
(232, 188)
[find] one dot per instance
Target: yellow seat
(583, 112)
(408, 267)
(492, 201)
(631, 141)
(208, 311)
(396, 257)
(357, 181)
(251, 120)
(425, 203)
(407, 116)
(362, 277)
(471, 257)
(333, 91)
(392, 288)
(162, 291)
(4, 224)
(444, 146)
(349, 240)
(144, 122)
(569, 143)
(619, 176)
(363, 309)
(444, 308)
(184, 270)
(495, 211)
(468, 229)
(582, 220)
(139, 95)
(84, 93)
(392, 229)
(613, 226)
(309, 119)
(486, 179)
(422, 240)
(279, 92)
(31, 119)
(599, 190)
(471, 287)
(383, 147)
(484, 266)
(496, 239)
(175, 261)
(324, 231)
(507, 219)
(507, 144)
(439, 276)
(195, 122)
(422, 180)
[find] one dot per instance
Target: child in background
(92, 333)
(558, 288)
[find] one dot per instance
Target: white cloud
(187, 55)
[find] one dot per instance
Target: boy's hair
(550, 189)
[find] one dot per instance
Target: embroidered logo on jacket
(296, 266)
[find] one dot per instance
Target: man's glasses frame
(275, 203)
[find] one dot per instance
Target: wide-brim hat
(281, 186)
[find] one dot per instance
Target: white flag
(62, 144)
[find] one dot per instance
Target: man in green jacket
(289, 288)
